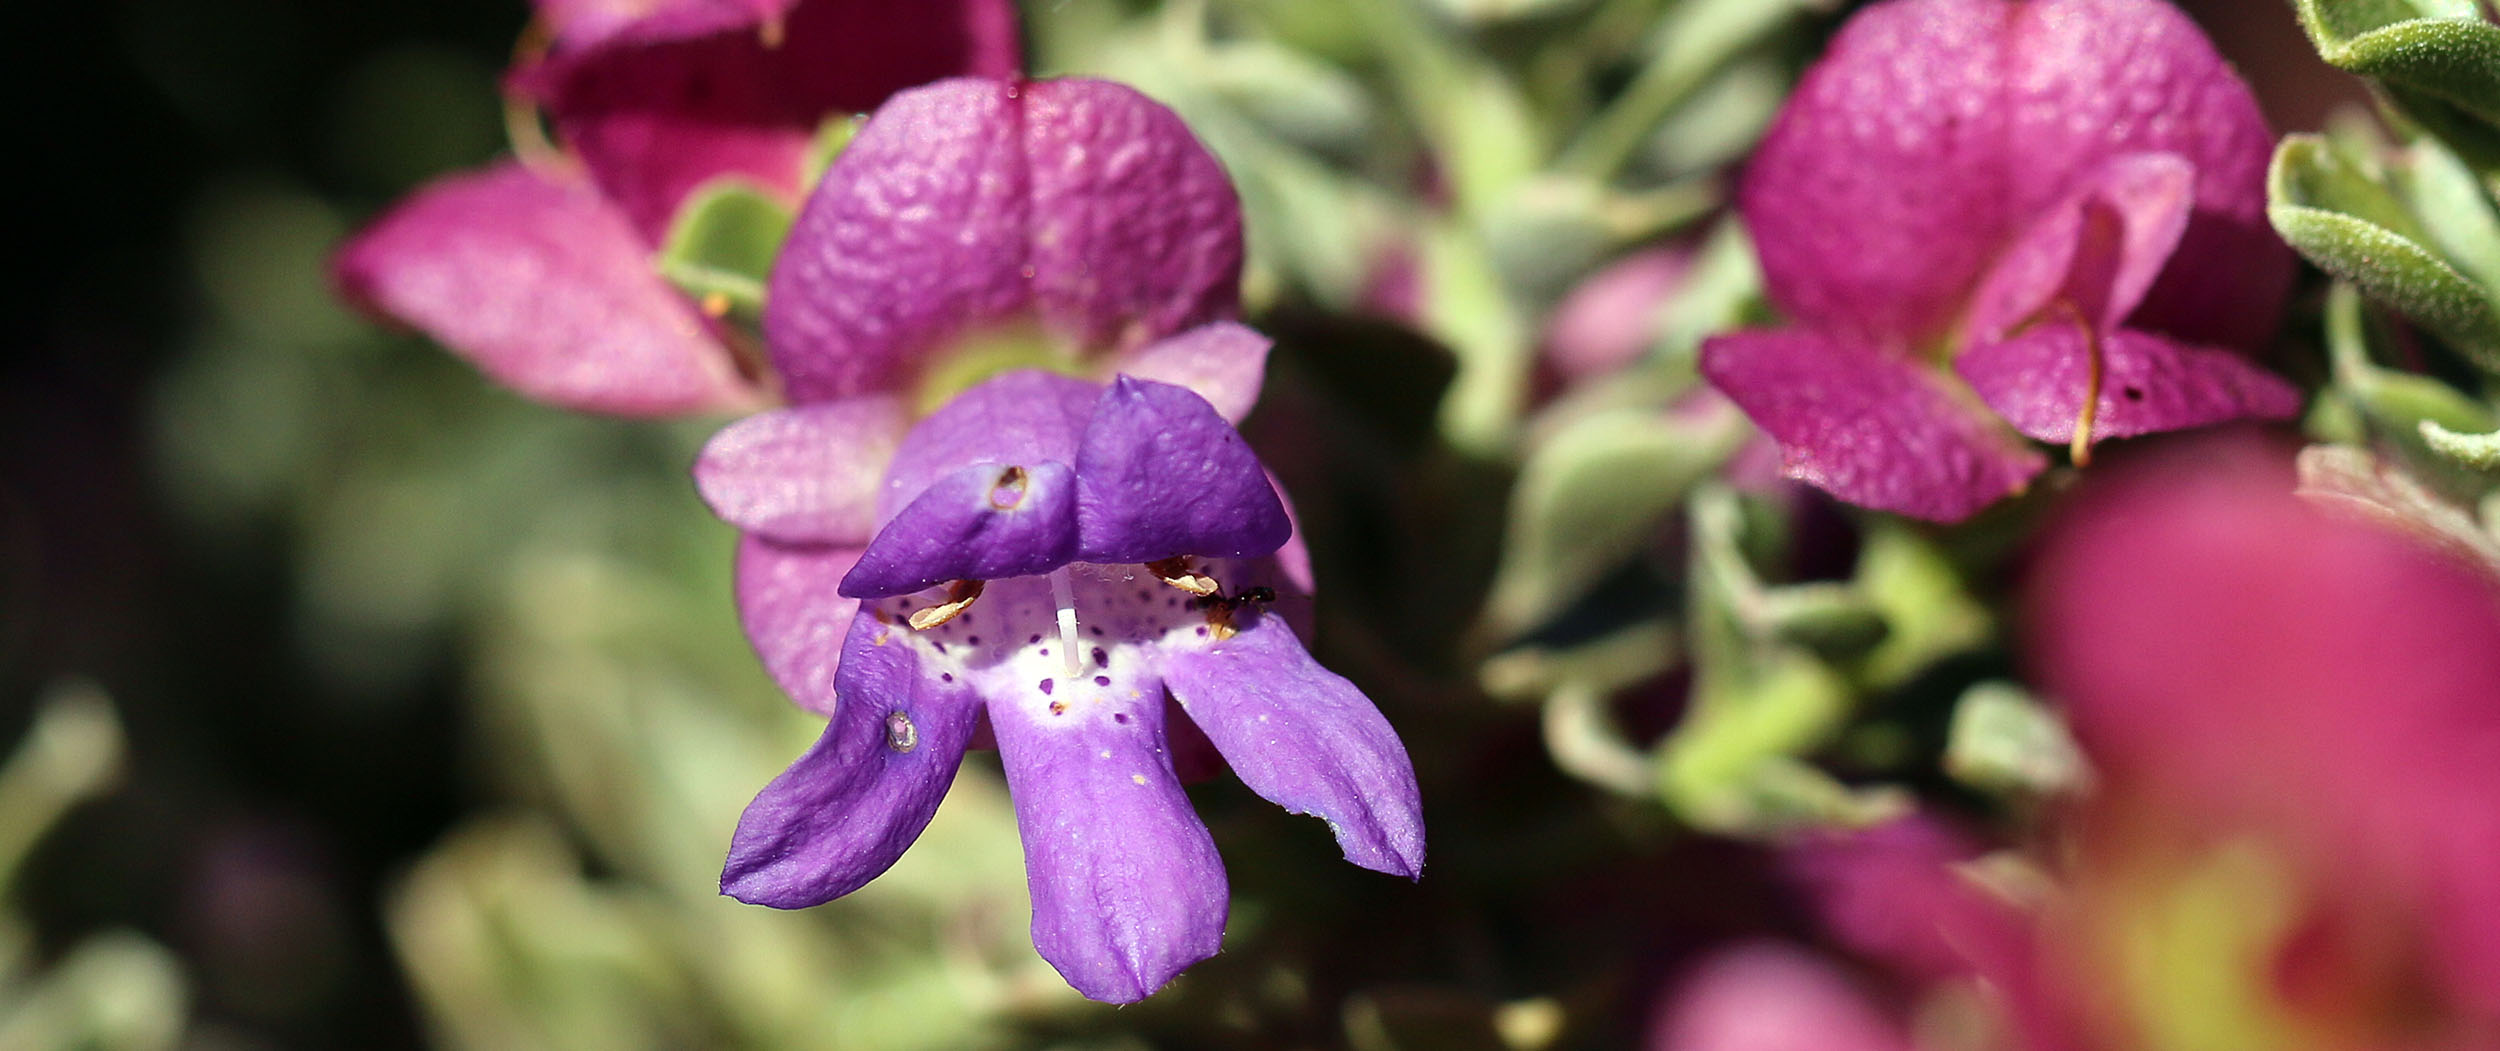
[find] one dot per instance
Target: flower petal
(2098, 251)
(1870, 427)
(805, 474)
(1161, 474)
(2037, 381)
(1932, 130)
(674, 95)
(1025, 416)
(847, 809)
(1225, 363)
(547, 289)
(1305, 739)
(968, 203)
(983, 522)
(794, 614)
(1127, 888)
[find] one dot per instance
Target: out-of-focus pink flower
(2294, 721)
(1610, 319)
(2042, 213)
(539, 273)
(1770, 997)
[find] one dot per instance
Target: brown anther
(1175, 571)
(1008, 491)
(772, 32)
(959, 596)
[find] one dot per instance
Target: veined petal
(1870, 427)
(2037, 381)
(1161, 474)
(660, 100)
(545, 287)
(983, 522)
(1225, 363)
(845, 811)
(967, 202)
(805, 474)
(794, 613)
(1305, 739)
(1127, 888)
(2097, 252)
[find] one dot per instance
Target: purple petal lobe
(546, 288)
(671, 96)
(805, 474)
(2037, 381)
(1026, 416)
(1225, 363)
(1870, 427)
(2096, 253)
(1136, 231)
(795, 615)
(1304, 738)
(1161, 474)
(846, 810)
(968, 202)
(1932, 131)
(983, 522)
(1127, 888)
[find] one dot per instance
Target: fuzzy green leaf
(2351, 227)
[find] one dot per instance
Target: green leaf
(2351, 227)
(722, 245)
(1834, 621)
(2355, 482)
(2438, 185)
(2442, 49)
(2398, 402)
(2478, 451)
(1292, 96)
(2004, 741)
(1591, 497)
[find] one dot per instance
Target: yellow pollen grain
(1138, 779)
(959, 597)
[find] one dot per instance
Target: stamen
(2080, 448)
(1175, 571)
(1063, 594)
(959, 596)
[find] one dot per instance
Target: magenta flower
(2047, 214)
(538, 270)
(972, 225)
(1043, 559)
(2294, 724)
(1054, 556)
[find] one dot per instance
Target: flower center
(979, 355)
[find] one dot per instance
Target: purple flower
(972, 225)
(538, 270)
(1089, 574)
(2046, 213)
(1054, 556)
